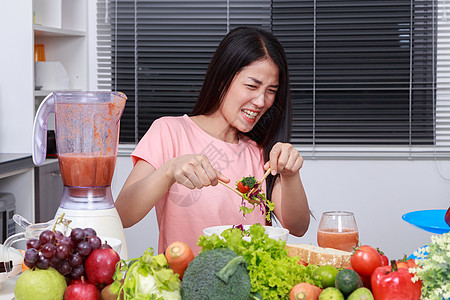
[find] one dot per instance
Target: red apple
(81, 290)
(447, 216)
(100, 266)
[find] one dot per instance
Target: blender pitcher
(87, 135)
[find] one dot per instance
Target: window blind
(363, 73)
(157, 52)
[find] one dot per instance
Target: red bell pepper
(392, 283)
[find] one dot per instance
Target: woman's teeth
(250, 114)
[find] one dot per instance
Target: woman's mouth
(249, 115)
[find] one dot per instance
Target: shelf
(40, 93)
(44, 93)
(40, 30)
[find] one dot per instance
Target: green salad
(272, 273)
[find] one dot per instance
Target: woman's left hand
(284, 159)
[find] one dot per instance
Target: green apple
(34, 284)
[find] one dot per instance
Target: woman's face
(251, 93)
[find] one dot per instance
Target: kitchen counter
(11, 163)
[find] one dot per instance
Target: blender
(87, 137)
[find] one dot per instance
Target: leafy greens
(146, 277)
(254, 198)
(272, 272)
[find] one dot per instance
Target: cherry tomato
(302, 262)
(384, 258)
(406, 263)
(365, 260)
(241, 187)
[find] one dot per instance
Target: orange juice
(345, 240)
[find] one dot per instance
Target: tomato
(402, 264)
(406, 263)
(302, 262)
(365, 260)
(384, 258)
(241, 187)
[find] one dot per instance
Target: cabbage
(146, 277)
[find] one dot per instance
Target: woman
(240, 126)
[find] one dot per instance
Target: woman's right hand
(194, 171)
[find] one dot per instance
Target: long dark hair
(239, 48)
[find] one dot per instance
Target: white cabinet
(61, 26)
(62, 29)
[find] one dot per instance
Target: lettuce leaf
(146, 277)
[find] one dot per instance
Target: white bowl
(277, 233)
(16, 257)
(116, 244)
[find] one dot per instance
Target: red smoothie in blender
(81, 170)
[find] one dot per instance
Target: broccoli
(216, 274)
(249, 181)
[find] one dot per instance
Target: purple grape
(77, 272)
(90, 232)
(55, 261)
(48, 250)
(31, 256)
(33, 243)
(64, 268)
(29, 265)
(43, 263)
(66, 241)
(75, 260)
(63, 251)
(58, 235)
(47, 236)
(77, 235)
(95, 242)
(84, 248)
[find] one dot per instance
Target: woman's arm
(145, 185)
(288, 195)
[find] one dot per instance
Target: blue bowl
(431, 220)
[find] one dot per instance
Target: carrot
(304, 291)
(178, 256)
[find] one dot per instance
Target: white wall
(379, 192)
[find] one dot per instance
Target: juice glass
(338, 230)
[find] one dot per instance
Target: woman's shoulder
(171, 122)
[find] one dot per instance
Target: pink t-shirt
(182, 213)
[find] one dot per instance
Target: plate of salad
(432, 220)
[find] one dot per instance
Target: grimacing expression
(251, 93)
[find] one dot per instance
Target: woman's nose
(259, 100)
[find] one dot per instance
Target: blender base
(106, 222)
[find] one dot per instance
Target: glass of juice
(338, 230)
